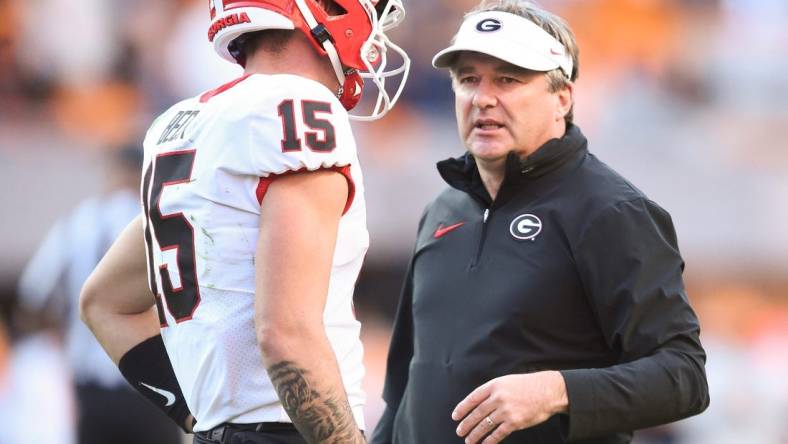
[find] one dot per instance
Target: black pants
(121, 416)
(277, 434)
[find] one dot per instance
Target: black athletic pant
(122, 416)
(272, 433)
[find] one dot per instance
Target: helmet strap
(322, 36)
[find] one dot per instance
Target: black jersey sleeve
(631, 269)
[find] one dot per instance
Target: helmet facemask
(376, 50)
(353, 63)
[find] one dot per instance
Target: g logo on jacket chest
(525, 227)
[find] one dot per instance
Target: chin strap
(350, 93)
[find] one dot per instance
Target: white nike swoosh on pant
(170, 397)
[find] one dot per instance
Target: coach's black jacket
(574, 270)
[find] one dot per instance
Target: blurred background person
(34, 384)
(107, 409)
(687, 98)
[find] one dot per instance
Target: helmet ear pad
(348, 32)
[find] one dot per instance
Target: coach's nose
(484, 96)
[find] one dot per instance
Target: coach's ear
(564, 100)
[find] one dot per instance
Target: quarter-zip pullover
(570, 268)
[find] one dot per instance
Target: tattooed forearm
(323, 418)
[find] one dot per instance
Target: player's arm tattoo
(323, 418)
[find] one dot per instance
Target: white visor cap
(510, 38)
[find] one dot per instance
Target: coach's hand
(509, 403)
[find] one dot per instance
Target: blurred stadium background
(687, 98)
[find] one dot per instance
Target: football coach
(544, 301)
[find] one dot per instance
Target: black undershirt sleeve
(148, 369)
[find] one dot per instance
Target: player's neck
(298, 58)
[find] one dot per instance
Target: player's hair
(270, 40)
(554, 25)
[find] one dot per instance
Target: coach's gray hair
(554, 25)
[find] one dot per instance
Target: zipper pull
(486, 215)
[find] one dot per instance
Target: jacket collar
(549, 159)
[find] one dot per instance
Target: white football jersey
(208, 162)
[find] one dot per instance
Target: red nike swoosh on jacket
(441, 231)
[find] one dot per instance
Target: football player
(254, 229)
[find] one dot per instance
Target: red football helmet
(355, 41)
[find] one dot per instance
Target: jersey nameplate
(176, 129)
